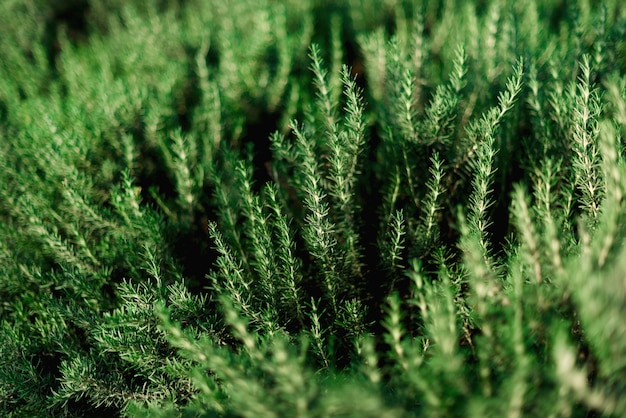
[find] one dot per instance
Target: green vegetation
(263, 208)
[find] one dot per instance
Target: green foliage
(294, 208)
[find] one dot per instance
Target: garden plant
(312, 208)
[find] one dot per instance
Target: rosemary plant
(291, 208)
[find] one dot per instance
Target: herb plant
(269, 208)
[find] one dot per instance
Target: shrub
(361, 208)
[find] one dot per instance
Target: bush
(361, 208)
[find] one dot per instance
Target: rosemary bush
(292, 208)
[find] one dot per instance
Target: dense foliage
(264, 208)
